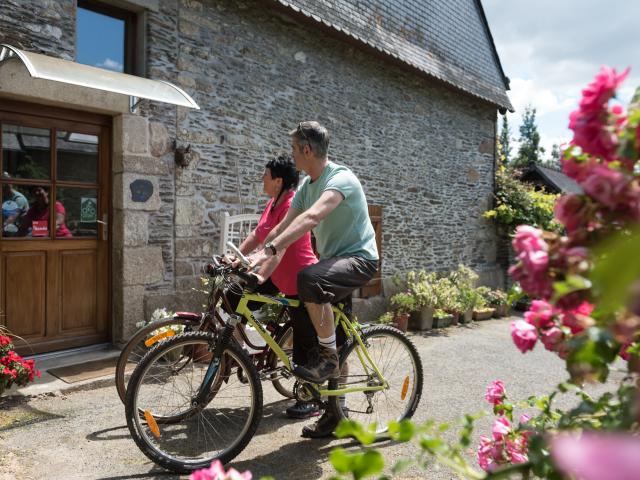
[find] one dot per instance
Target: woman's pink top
(298, 255)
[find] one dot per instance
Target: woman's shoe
(303, 410)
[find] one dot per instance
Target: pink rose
(592, 134)
(485, 457)
(577, 319)
(572, 211)
(596, 456)
(501, 428)
(524, 418)
(606, 185)
(517, 450)
(601, 89)
(495, 392)
(534, 261)
(216, 472)
(540, 314)
(524, 335)
(528, 238)
(551, 338)
(575, 168)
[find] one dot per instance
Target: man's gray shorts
(333, 279)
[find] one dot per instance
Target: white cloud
(552, 49)
(110, 64)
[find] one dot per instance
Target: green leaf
(340, 460)
(573, 283)
(350, 428)
(432, 445)
(615, 270)
(360, 464)
(402, 431)
(401, 466)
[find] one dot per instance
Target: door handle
(104, 222)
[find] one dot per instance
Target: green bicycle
(201, 396)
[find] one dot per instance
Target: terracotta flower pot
(483, 314)
(401, 321)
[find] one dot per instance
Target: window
(106, 37)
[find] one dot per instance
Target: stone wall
(422, 150)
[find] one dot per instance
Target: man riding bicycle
(331, 202)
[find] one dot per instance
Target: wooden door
(374, 287)
(54, 242)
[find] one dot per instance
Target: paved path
(83, 435)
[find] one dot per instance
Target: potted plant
(446, 293)
(464, 280)
(403, 304)
(498, 301)
(15, 369)
(422, 287)
(441, 318)
(482, 311)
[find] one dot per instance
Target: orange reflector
(158, 337)
(153, 426)
(405, 388)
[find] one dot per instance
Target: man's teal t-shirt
(347, 230)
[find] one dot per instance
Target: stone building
(409, 91)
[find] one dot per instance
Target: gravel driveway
(83, 435)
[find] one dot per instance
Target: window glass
(77, 155)
(25, 211)
(26, 152)
(100, 40)
(78, 209)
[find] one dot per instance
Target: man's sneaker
(324, 427)
(303, 410)
(326, 366)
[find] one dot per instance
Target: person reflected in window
(36, 221)
(14, 208)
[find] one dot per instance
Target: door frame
(32, 114)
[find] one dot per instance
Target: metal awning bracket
(133, 103)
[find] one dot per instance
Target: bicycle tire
(403, 355)
(135, 349)
(278, 384)
(148, 386)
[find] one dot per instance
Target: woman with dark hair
(280, 180)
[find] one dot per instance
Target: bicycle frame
(341, 320)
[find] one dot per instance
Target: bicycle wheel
(284, 385)
(162, 388)
(398, 361)
(135, 349)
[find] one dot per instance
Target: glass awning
(58, 70)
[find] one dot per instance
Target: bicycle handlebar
(217, 268)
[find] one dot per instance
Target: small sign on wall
(88, 209)
(40, 228)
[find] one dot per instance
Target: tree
(504, 142)
(555, 156)
(530, 150)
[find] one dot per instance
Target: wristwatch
(270, 246)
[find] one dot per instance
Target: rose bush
(586, 286)
(13, 368)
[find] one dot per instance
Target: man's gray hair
(315, 135)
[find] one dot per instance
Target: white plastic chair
(235, 229)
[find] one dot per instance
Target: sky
(551, 49)
(100, 40)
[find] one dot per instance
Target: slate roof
(448, 40)
(556, 179)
